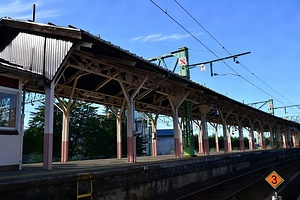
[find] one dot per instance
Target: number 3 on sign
(274, 179)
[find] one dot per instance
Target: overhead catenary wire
(192, 35)
(218, 42)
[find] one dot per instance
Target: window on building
(8, 110)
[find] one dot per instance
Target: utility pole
(182, 58)
(188, 139)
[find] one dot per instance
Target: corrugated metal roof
(37, 54)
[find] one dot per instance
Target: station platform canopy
(87, 68)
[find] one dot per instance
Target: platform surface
(36, 171)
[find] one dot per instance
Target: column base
(177, 147)
(131, 149)
(48, 151)
(205, 146)
(64, 151)
(119, 150)
(225, 146)
(242, 146)
(154, 148)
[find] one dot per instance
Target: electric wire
(218, 42)
(237, 74)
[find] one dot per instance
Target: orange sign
(274, 179)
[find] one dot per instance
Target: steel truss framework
(97, 71)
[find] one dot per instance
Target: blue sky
(269, 29)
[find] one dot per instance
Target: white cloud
(21, 9)
(161, 37)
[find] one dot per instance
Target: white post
(48, 127)
(65, 135)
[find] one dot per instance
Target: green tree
(34, 135)
(91, 135)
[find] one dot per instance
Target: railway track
(250, 185)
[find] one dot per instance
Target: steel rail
(236, 178)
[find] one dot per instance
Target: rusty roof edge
(67, 32)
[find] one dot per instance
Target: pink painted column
(284, 140)
(251, 139)
(289, 138)
(241, 137)
(176, 99)
(271, 137)
(262, 140)
(229, 139)
(216, 137)
(225, 137)
(204, 134)
(297, 138)
(176, 134)
(224, 125)
(48, 127)
(200, 139)
(251, 136)
(264, 145)
(131, 138)
(204, 110)
(293, 140)
(180, 138)
(279, 133)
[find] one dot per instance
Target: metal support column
(240, 130)
(297, 133)
(251, 137)
(289, 139)
(262, 141)
(154, 137)
(271, 135)
(118, 114)
(215, 125)
(224, 119)
(284, 140)
(229, 139)
(175, 101)
(119, 136)
(131, 137)
(204, 110)
(65, 136)
(225, 137)
(48, 127)
(176, 132)
(293, 139)
(279, 136)
(241, 137)
(204, 134)
(200, 138)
